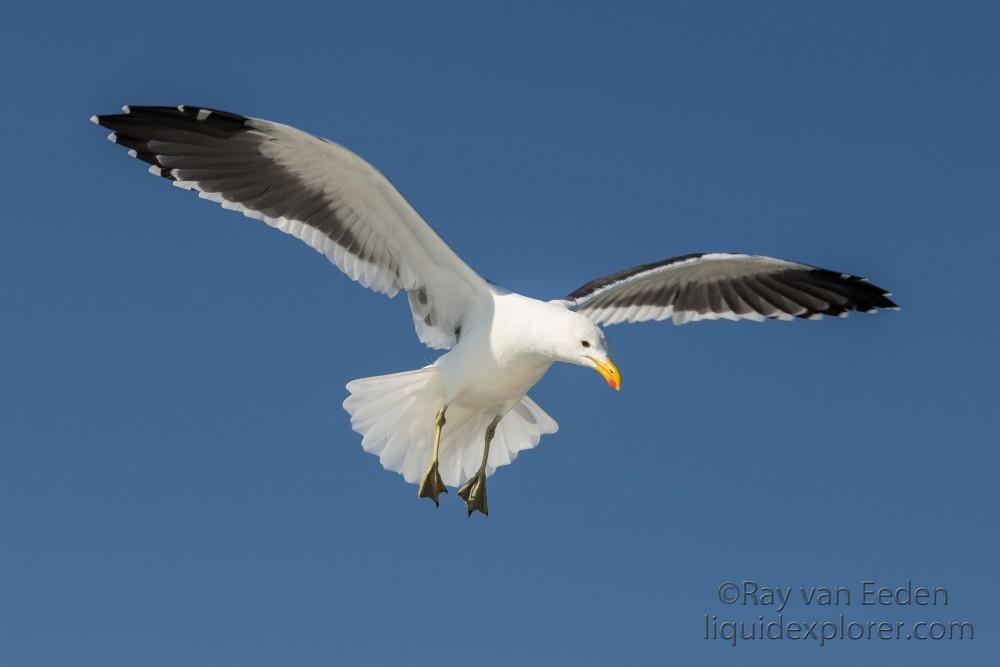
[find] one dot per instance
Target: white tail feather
(395, 414)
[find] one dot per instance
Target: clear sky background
(180, 486)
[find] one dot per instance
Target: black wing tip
(863, 295)
(200, 120)
(133, 127)
(207, 115)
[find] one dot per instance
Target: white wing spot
(203, 114)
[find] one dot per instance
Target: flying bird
(454, 422)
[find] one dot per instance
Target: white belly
(475, 376)
(498, 359)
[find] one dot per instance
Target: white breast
(493, 363)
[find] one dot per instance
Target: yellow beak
(609, 372)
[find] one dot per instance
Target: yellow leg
(473, 492)
(431, 485)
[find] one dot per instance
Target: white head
(574, 339)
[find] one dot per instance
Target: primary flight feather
(454, 422)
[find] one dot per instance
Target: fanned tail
(395, 414)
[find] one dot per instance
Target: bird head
(583, 343)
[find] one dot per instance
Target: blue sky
(178, 481)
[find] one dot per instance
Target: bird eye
(585, 343)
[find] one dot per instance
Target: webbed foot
(431, 485)
(473, 493)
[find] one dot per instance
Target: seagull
(499, 343)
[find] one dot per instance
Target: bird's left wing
(710, 286)
(314, 190)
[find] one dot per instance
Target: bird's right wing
(314, 190)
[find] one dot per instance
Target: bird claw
(473, 493)
(431, 485)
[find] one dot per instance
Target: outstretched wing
(722, 285)
(314, 190)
